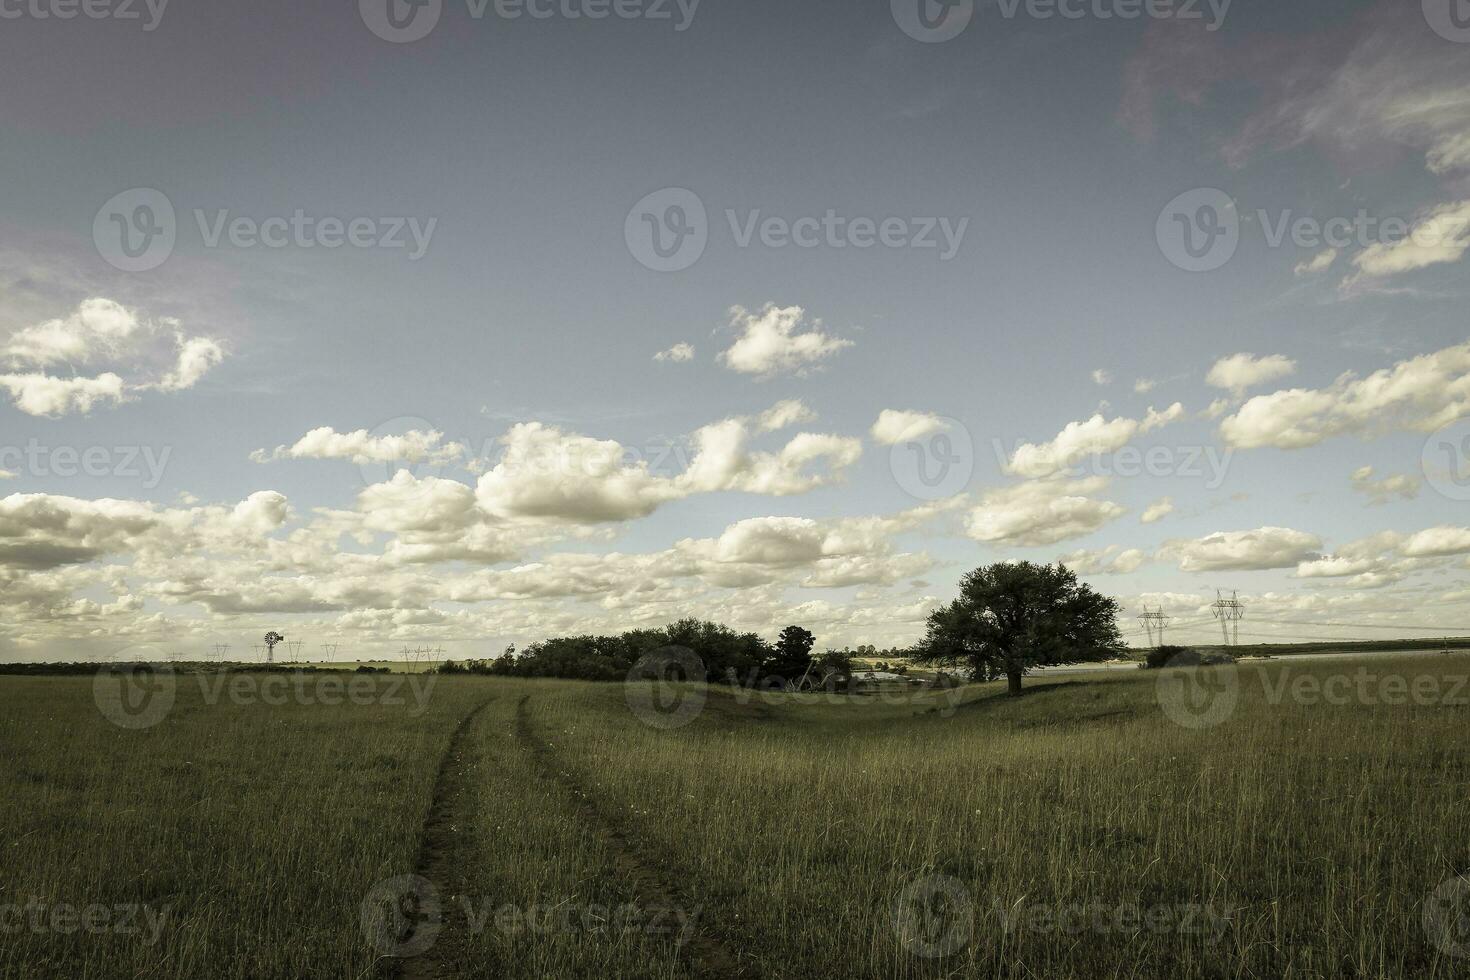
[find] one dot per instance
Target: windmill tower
(271, 639)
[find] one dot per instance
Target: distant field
(1282, 819)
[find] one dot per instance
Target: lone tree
(1015, 615)
(792, 656)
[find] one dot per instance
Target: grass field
(1270, 820)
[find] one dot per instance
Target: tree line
(1009, 617)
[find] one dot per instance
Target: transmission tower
(1229, 612)
(220, 649)
(1155, 621)
(329, 652)
(295, 647)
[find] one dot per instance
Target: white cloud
(197, 356)
(1335, 566)
(1102, 377)
(546, 474)
(1144, 385)
(105, 333)
(1262, 548)
(894, 426)
(1041, 512)
(1382, 491)
(45, 396)
(1157, 511)
(1420, 394)
(1078, 440)
(784, 414)
(1317, 264)
(97, 329)
(363, 447)
(676, 354)
(1240, 372)
(1439, 236)
(1437, 542)
(1111, 560)
(778, 340)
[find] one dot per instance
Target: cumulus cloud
(46, 396)
(784, 414)
(1112, 560)
(1241, 372)
(1420, 394)
(676, 354)
(1157, 511)
(894, 427)
(1317, 264)
(1102, 377)
(547, 474)
(1441, 235)
(778, 340)
(104, 333)
(1381, 491)
(1437, 542)
(1262, 548)
(362, 447)
(1078, 440)
(1041, 512)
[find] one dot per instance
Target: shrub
(1172, 656)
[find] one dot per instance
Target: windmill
(271, 639)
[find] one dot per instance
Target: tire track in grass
(706, 955)
(436, 861)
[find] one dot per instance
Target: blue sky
(455, 430)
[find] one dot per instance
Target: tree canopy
(1012, 616)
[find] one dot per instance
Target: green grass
(1296, 838)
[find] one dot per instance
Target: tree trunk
(1013, 681)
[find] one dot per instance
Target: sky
(455, 324)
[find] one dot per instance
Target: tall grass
(1076, 832)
